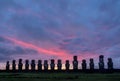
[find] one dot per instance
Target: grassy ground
(58, 77)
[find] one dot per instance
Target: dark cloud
(6, 53)
(2, 39)
(16, 50)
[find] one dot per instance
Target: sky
(59, 29)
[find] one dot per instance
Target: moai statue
(7, 66)
(75, 63)
(67, 65)
(91, 64)
(39, 65)
(20, 65)
(101, 62)
(26, 65)
(52, 65)
(59, 65)
(13, 65)
(110, 64)
(45, 65)
(84, 64)
(33, 65)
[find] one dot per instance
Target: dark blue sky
(45, 29)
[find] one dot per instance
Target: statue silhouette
(84, 64)
(75, 63)
(91, 64)
(101, 62)
(67, 65)
(45, 65)
(110, 64)
(39, 65)
(59, 65)
(52, 65)
(33, 65)
(20, 65)
(7, 66)
(26, 65)
(14, 65)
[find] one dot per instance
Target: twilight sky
(45, 29)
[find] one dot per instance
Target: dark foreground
(59, 77)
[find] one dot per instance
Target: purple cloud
(77, 27)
